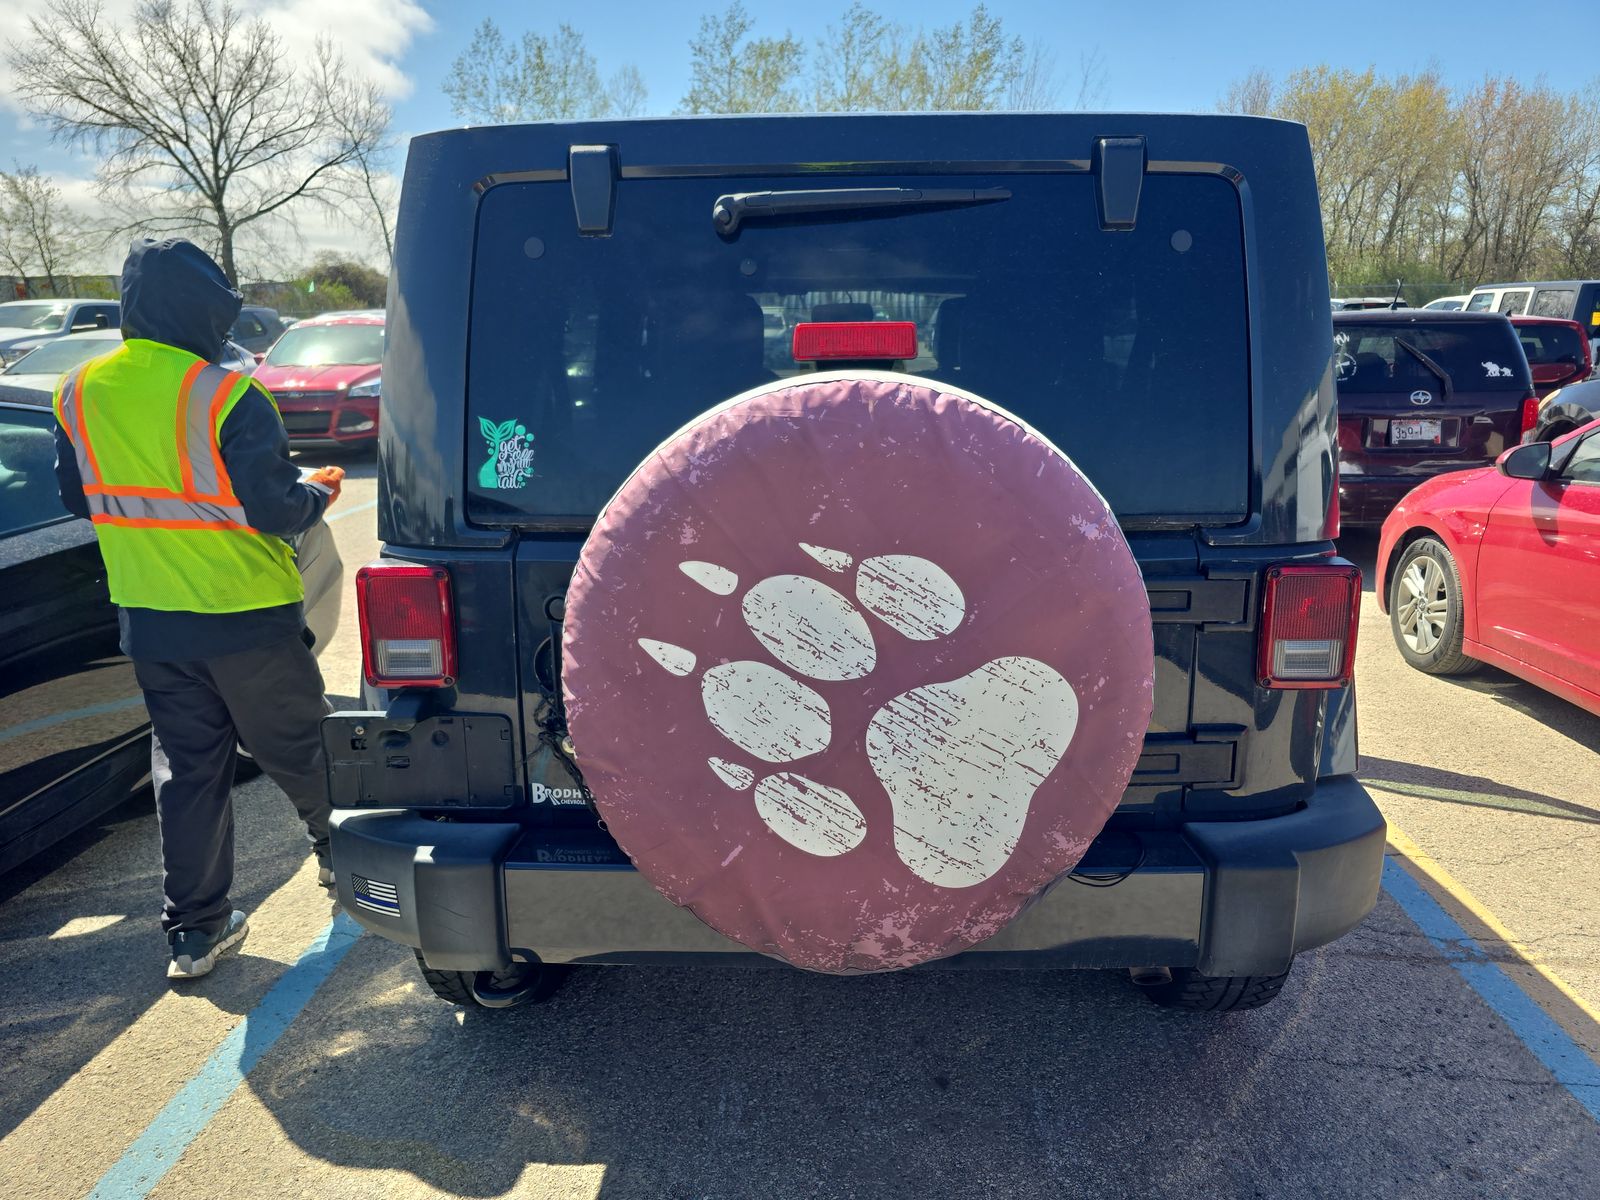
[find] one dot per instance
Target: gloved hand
(331, 478)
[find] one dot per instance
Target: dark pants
(271, 701)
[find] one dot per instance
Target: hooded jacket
(174, 294)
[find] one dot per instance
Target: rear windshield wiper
(1439, 372)
(731, 211)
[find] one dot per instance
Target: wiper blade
(731, 211)
(1439, 372)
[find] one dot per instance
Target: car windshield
(1122, 348)
(45, 318)
(328, 345)
(63, 354)
(1478, 356)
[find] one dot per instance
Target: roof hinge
(1118, 165)
(592, 171)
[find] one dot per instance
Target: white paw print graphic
(960, 760)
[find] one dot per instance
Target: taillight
(1530, 414)
(1309, 616)
(408, 632)
(890, 341)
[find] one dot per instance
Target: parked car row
(324, 372)
(1468, 431)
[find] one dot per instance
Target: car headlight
(367, 391)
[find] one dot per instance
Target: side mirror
(1525, 462)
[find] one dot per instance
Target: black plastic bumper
(1226, 897)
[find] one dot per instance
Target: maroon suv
(1422, 393)
(1557, 351)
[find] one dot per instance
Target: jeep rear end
(1144, 290)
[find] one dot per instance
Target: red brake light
(408, 634)
(1530, 414)
(892, 341)
(1309, 616)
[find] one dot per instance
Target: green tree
(496, 81)
(867, 63)
(732, 72)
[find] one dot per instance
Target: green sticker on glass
(510, 462)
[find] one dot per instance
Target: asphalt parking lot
(1446, 1049)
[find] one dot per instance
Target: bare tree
(369, 182)
(39, 234)
(626, 94)
(1251, 96)
(197, 110)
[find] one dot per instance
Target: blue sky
(1156, 55)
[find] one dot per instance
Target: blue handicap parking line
(166, 1138)
(1536, 1029)
(71, 714)
(350, 512)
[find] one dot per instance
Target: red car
(325, 374)
(1502, 565)
(1558, 351)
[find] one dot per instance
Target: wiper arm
(731, 211)
(1439, 372)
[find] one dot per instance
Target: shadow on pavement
(717, 1082)
(64, 998)
(1434, 783)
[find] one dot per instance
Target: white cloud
(374, 35)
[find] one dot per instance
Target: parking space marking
(350, 512)
(166, 1137)
(1457, 891)
(1536, 1029)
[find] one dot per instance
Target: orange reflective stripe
(185, 391)
(156, 523)
(214, 436)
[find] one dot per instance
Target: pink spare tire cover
(855, 668)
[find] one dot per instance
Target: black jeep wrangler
(601, 332)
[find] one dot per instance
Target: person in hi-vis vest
(183, 466)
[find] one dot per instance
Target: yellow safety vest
(144, 422)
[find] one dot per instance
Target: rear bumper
(1228, 898)
(335, 422)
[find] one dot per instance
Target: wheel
(1425, 610)
(1193, 992)
(520, 983)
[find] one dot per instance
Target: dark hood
(173, 293)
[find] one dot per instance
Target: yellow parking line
(1453, 888)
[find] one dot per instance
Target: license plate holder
(439, 761)
(1416, 431)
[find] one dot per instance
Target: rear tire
(1190, 991)
(539, 981)
(1425, 610)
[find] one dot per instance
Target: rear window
(1478, 356)
(1551, 344)
(1554, 302)
(1126, 349)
